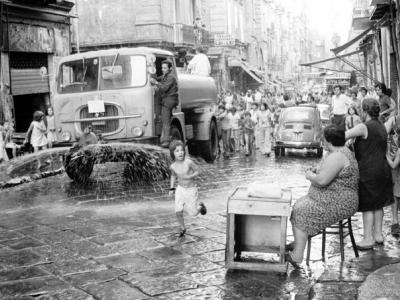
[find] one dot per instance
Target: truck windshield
(123, 71)
(79, 76)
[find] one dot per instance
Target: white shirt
(257, 97)
(341, 104)
(200, 65)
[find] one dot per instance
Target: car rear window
(298, 115)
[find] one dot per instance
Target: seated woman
(333, 195)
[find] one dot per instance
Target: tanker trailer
(198, 98)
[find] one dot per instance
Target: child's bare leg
(395, 228)
(181, 221)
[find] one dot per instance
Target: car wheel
(320, 152)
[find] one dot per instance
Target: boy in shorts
(185, 171)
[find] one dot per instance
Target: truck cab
(111, 91)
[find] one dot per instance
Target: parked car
(324, 110)
(299, 127)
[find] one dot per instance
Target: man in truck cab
(167, 89)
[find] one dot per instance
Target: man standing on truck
(200, 65)
(167, 89)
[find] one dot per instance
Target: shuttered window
(25, 73)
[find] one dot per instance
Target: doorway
(25, 106)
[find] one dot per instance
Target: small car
(324, 110)
(299, 127)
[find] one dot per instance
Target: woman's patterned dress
(324, 206)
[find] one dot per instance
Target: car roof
(305, 106)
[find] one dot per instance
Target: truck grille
(105, 126)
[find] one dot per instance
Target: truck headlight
(66, 136)
(137, 131)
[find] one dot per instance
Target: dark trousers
(339, 121)
(166, 114)
(167, 105)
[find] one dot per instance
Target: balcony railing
(361, 13)
(185, 35)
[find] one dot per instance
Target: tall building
(34, 35)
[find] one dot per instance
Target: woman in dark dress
(375, 186)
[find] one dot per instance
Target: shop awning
(309, 64)
(358, 37)
(234, 62)
(352, 41)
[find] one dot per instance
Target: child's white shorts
(187, 198)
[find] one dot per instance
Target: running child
(184, 170)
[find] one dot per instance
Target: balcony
(361, 13)
(185, 35)
(361, 18)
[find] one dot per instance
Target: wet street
(113, 240)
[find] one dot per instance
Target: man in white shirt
(340, 106)
(200, 65)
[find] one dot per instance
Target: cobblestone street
(112, 240)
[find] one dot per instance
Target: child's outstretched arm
(172, 182)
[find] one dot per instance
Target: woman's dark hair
(246, 114)
(371, 107)
(354, 109)
(286, 97)
(37, 115)
(354, 93)
(382, 87)
(265, 105)
(175, 144)
(389, 92)
(255, 104)
(334, 135)
(363, 89)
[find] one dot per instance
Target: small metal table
(256, 225)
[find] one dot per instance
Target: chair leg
(341, 240)
(308, 249)
(323, 244)
(353, 242)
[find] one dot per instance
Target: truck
(111, 91)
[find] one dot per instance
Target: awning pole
(356, 68)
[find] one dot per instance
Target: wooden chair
(338, 229)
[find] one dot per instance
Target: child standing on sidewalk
(184, 170)
(394, 163)
(393, 130)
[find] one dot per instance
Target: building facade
(34, 34)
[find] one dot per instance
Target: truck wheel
(209, 149)
(320, 152)
(175, 133)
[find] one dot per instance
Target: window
(123, 71)
(78, 76)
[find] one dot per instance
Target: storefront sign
(224, 40)
(339, 81)
(28, 38)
